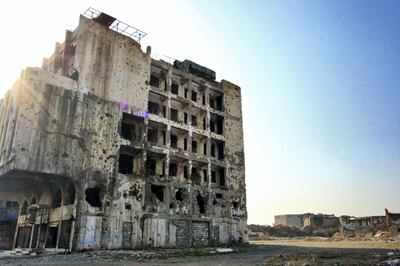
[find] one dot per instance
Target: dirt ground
(272, 252)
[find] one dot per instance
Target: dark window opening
(172, 205)
(222, 177)
(151, 166)
(174, 141)
(174, 88)
(152, 135)
(173, 169)
(218, 195)
(154, 81)
(205, 175)
(164, 111)
(158, 191)
(174, 115)
(212, 150)
(127, 131)
(235, 205)
(179, 195)
(194, 96)
(212, 126)
(201, 203)
(220, 125)
(194, 146)
(164, 137)
(185, 172)
(153, 108)
(204, 100)
(204, 124)
(194, 120)
(165, 85)
(125, 164)
(93, 196)
(212, 102)
(213, 177)
(205, 149)
(219, 101)
(186, 93)
(185, 118)
(221, 151)
(185, 144)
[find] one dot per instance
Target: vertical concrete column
(16, 228)
(60, 220)
(168, 144)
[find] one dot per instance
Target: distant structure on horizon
(104, 147)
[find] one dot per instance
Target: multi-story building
(105, 147)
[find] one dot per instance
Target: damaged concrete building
(105, 147)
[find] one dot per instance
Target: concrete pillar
(60, 220)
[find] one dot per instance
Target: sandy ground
(273, 252)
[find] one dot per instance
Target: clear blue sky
(320, 85)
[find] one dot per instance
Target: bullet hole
(128, 206)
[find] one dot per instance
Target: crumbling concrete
(105, 147)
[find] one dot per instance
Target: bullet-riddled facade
(105, 147)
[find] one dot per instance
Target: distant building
(295, 220)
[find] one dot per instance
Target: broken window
(213, 177)
(151, 166)
(153, 108)
(201, 203)
(222, 177)
(173, 169)
(219, 103)
(154, 81)
(93, 196)
(125, 164)
(194, 120)
(174, 88)
(194, 96)
(152, 135)
(221, 150)
(174, 141)
(127, 131)
(158, 191)
(174, 115)
(217, 124)
(194, 146)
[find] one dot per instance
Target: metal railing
(117, 25)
